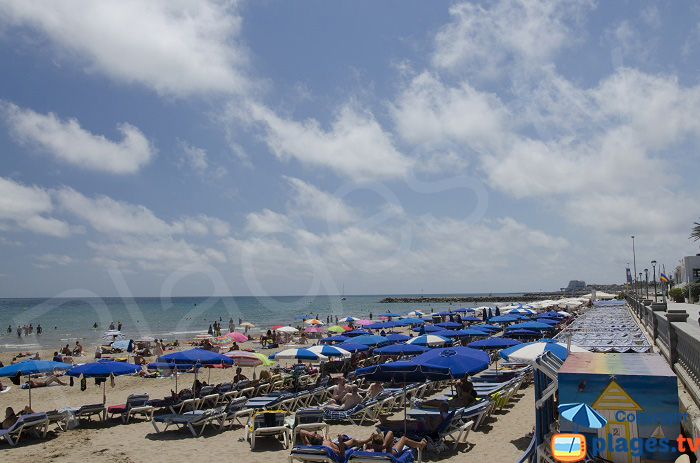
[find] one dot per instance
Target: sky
(298, 148)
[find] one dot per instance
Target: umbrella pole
(209, 376)
(29, 382)
(104, 392)
(404, 404)
(175, 380)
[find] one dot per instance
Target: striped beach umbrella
(313, 321)
(222, 341)
(242, 358)
(303, 355)
(582, 415)
(430, 340)
(248, 324)
(330, 351)
(530, 351)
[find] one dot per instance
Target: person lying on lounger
(344, 442)
(426, 424)
(373, 390)
(11, 417)
(45, 382)
(339, 390)
(384, 443)
(350, 399)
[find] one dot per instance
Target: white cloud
(197, 160)
(484, 40)
(172, 46)
(49, 260)
(26, 207)
(69, 142)
(307, 200)
(355, 146)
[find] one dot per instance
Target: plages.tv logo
(568, 447)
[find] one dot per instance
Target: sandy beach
(137, 441)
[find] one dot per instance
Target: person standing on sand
(19, 331)
(38, 329)
(119, 326)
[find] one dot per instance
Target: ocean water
(67, 320)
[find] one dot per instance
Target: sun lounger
(183, 406)
(356, 415)
(38, 422)
(359, 456)
(190, 420)
(309, 419)
(314, 454)
(268, 423)
(58, 418)
(136, 404)
(88, 411)
(208, 401)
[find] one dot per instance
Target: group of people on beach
(26, 329)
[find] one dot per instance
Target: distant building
(575, 285)
(688, 270)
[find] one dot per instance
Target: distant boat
(343, 298)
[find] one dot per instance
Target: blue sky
(269, 148)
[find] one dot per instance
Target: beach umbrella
(313, 321)
(330, 351)
(397, 337)
(490, 313)
(313, 329)
(32, 367)
(470, 332)
(411, 321)
(103, 370)
(352, 334)
(582, 415)
(552, 315)
(530, 351)
(302, 355)
(449, 325)
(371, 340)
(401, 349)
(286, 329)
(363, 322)
(427, 329)
(352, 348)
(389, 315)
(332, 339)
(336, 329)
(382, 326)
(243, 358)
(484, 315)
(497, 311)
(346, 328)
(530, 326)
(430, 340)
(274, 328)
(494, 343)
(348, 319)
(549, 321)
(222, 341)
(566, 314)
(238, 337)
(204, 336)
(112, 335)
(415, 313)
(248, 324)
(524, 334)
(486, 328)
(196, 356)
(503, 319)
(470, 318)
(302, 317)
(462, 310)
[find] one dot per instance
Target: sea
(68, 320)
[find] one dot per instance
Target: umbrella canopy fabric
(427, 329)
(286, 329)
(248, 324)
(352, 348)
(297, 354)
(370, 340)
(494, 343)
(33, 367)
(336, 329)
(449, 325)
(411, 321)
(582, 415)
(530, 326)
(352, 334)
(313, 321)
(524, 333)
(349, 319)
(462, 333)
(332, 339)
(302, 317)
(549, 321)
(530, 351)
(415, 313)
(103, 369)
(222, 341)
(238, 337)
(242, 358)
(397, 337)
(313, 329)
(363, 322)
(193, 356)
(485, 327)
(389, 314)
(113, 335)
(330, 351)
(521, 311)
(552, 315)
(504, 319)
(401, 349)
(382, 326)
(430, 340)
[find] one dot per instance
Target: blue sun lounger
(191, 420)
(32, 422)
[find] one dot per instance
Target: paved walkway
(692, 309)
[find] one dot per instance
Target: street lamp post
(640, 285)
(653, 266)
(634, 260)
(646, 277)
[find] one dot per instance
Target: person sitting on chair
(350, 399)
(384, 443)
(344, 442)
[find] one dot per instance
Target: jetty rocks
(478, 299)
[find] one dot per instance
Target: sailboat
(343, 298)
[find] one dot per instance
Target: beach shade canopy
(411, 321)
(112, 335)
(302, 317)
(564, 313)
(336, 329)
(352, 348)
(487, 328)
(330, 351)
(415, 313)
(522, 311)
(458, 361)
(504, 319)
(363, 322)
(332, 339)
(238, 337)
(352, 334)
(494, 343)
(33, 367)
(463, 333)
(222, 341)
(242, 358)
(524, 334)
(530, 326)
(313, 321)
(348, 319)
(430, 340)
(389, 314)
(549, 321)
(382, 326)
(401, 349)
(449, 325)
(427, 329)
(470, 318)
(103, 369)
(286, 329)
(248, 324)
(530, 351)
(371, 340)
(194, 356)
(313, 329)
(298, 354)
(397, 337)
(552, 315)
(582, 415)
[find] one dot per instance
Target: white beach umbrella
(287, 329)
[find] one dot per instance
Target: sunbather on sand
(351, 399)
(45, 382)
(427, 424)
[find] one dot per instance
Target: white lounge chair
(38, 422)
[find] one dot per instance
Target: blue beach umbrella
(449, 325)
(485, 327)
(484, 315)
(371, 340)
(103, 370)
(298, 354)
(529, 351)
(494, 343)
(382, 325)
(352, 334)
(412, 321)
(549, 321)
(303, 317)
(397, 337)
(430, 340)
(427, 329)
(401, 349)
(353, 347)
(524, 334)
(32, 367)
(530, 326)
(389, 314)
(463, 333)
(194, 356)
(503, 319)
(333, 339)
(330, 351)
(552, 315)
(459, 361)
(490, 313)
(498, 311)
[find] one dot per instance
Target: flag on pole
(663, 278)
(629, 276)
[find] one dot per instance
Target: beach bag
(435, 447)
